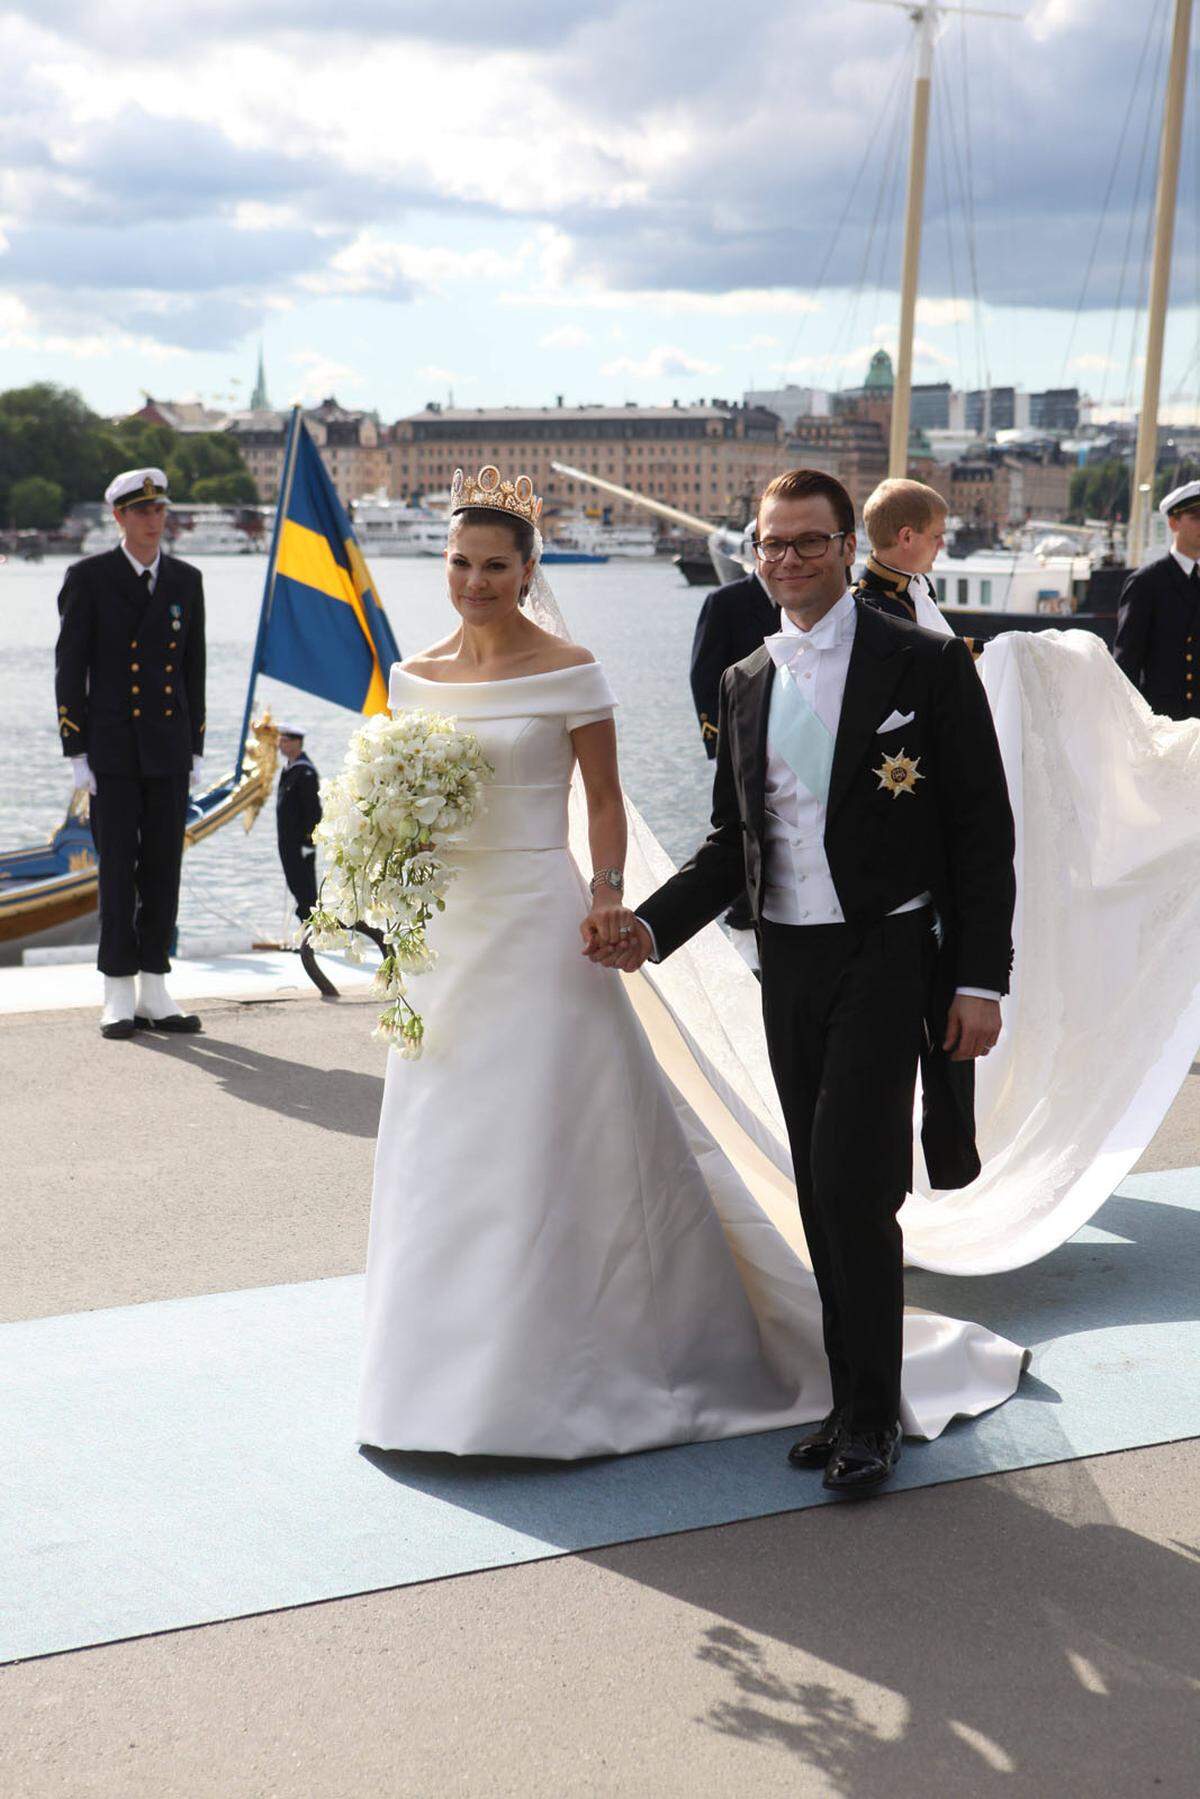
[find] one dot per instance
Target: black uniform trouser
(137, 826)
(844, 1014)
(300, 873)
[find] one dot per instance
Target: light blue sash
(796, 733)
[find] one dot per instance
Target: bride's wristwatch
(607, 877)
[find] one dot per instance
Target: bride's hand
(608, 928)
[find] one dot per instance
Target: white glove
(197, 773)
(82, 774)
(308, 849)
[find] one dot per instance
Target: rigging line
(972, 232)
(1135, 201)
(872, 140)
(1179, 391)
(892, 214)
(850, 316)
(956, 163)
(1143, 289)
(1135, 88)
(946, 211)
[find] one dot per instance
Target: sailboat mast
(1146, 457)
(926, 20)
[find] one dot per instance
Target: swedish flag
(323, 627)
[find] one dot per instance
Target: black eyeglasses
(809, 548)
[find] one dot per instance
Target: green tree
(35, 504)
(1100, 491)
(233, 489)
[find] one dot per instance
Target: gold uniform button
(169, 713)
(135, 668)
(137, 712)
(135, 690)
(172, 645)
(168, 690)
(170, 668)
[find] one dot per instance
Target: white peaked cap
(1186, 496)
(290, 730)
(136, 483)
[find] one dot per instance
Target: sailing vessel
(991, 591)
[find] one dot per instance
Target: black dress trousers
(300, 873)
(844, 1012)
(137, 824)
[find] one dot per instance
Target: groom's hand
(972, 1027)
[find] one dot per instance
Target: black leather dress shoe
(814, 1450)
(862, 1460)
(180, 1023)
(121, 1027)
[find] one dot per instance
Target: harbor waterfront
(637, 617)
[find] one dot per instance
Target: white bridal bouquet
(409, 786)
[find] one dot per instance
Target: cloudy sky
(607, 199)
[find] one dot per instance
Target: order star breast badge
(899, 774)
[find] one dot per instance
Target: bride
(563, 1261)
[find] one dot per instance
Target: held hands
(972, 1027)
(612, 936)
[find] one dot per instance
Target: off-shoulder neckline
(503, 681)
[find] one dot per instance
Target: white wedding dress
(578, 1246)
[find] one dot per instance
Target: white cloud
(374, 263)
(565, 337)
(663, 361)
(321, 375)
(1092, 362)
(667, 302)
(761, 340)
(932, 313)
(444, 377)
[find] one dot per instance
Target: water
(637, 617)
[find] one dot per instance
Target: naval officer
(1158, 622)
(906, 524)
(297, 815)
(129, 678)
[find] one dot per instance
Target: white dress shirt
(139, 568)
(1186, 563)
(798, 887)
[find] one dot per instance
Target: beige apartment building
(711, 460)
(351, 444)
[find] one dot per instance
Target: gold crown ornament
(487, 489)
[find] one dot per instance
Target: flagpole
(264, 616)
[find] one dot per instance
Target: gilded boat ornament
(899, 774)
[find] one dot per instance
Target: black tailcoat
(129, 669)
(951, 836)
(1158, 637)
(730, 625)
(297, 815)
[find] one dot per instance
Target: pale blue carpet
(172, 1464)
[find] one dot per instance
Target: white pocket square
(894, 720)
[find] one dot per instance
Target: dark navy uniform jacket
(1158, 637)
(731, 623)
(297, 806)
(129, 667)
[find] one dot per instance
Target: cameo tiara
(487, 489)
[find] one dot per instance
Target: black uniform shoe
(862, 1460)
(121, 1027)
(180, 1023)
(814, 1450)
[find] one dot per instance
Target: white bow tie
(787, 649)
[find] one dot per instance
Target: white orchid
(408, 786)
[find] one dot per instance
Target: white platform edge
(251, 974)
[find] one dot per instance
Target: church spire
(259, 401)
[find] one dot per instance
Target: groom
(860, 797)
